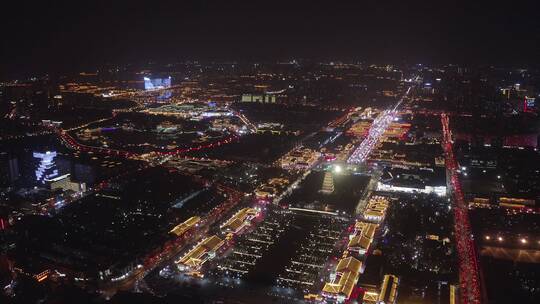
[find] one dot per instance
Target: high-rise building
(46, 168)
(157, 83)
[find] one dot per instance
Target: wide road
(469, 279)
(377, 129)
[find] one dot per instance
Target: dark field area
(348, 190)
(260, 148)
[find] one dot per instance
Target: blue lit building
(46, 168)
(157, 83)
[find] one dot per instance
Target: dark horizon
(68, 36)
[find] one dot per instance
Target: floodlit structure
(64, 182)
(46, 169)
(328, 183)
(389, 290)
(271, 188)
(513, 202)
(157, 83)
(343, 280)
(180, 229)
(370, 297)
(240, 220)
(454, 294)
(386, 294)
(438, 190)
(529, 104)
(200, 254)
(260, 98)
(363, 237)
(301, 158)
(376, 208)
(414, 180)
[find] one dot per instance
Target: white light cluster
(46, 169)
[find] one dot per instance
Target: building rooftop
(365, 228)
(239, 219)
(348, 270)
(185, 226)
(196, 256)
(389, 289)
(349, 264)
(359, 240)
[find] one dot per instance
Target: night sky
(70, 35)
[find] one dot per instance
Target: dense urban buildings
(401, 195)
(303, 180)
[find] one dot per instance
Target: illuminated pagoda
(328, 183)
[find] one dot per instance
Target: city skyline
(73, 36)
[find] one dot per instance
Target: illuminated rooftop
(185, 226)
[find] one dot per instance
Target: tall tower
(46, 168)
(328, 183)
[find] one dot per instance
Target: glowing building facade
(529, 104)
(157, 83)
(46, 168)
(328, 183)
